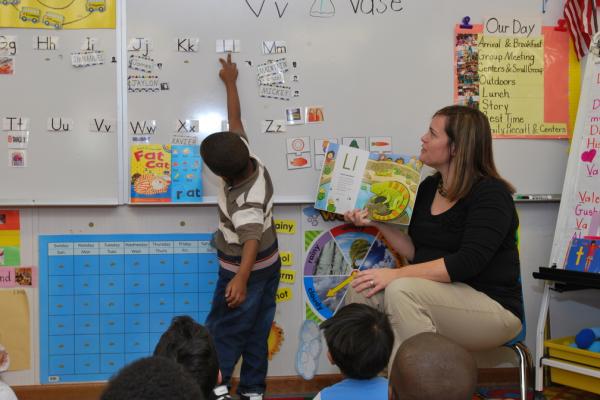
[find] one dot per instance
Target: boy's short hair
(360, 340)
(225, 154)
(190, 344)
(152, 378)
(430, 366)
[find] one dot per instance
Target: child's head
(152, 378)
(225, 154)
(429, 366)
(360, 340)
(191, 345)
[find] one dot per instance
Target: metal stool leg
(525, 367)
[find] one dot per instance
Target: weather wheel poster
(333, 253)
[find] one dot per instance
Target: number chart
(105, 300)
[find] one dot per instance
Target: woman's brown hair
(469, 131)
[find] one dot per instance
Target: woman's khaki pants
(455, 310)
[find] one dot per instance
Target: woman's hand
(374, 280)
(357, 217)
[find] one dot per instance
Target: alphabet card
(228, 46)
(102, 125)
(383, 184)
(8, 45)
(273, 47)
(187, 44)
(273, 126)
(141, 45)
(59, 124)
(15, 124)
(46, 43)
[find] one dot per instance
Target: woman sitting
(463, 280)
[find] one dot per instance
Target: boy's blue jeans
(244, 331)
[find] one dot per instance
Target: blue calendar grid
(105, 300)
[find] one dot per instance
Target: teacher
(463, 280)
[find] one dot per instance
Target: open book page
(383, 183)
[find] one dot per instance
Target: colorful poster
(10, 238)
(186, 174)
(520, 82)
(333, 253)
(384, 184)
(74, 14)
(578, 223)
(105, 300)
(150, 173)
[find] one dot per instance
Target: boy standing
(360, 341)
(243, 305)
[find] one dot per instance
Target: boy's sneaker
(251, 396)
(220, 393)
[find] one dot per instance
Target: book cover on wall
(186, 174)
(150, 173)
(383, 183)
(583, 255)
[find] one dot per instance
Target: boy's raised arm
(229, 74)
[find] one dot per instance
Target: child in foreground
(360, 341)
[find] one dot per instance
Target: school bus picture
(30, 13)
(52, 19)
(95, 5)
(11, 2)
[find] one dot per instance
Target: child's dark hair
(225, 154)
(152, 378)
(360, 340)
(191, 345)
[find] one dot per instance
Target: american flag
(581, 16)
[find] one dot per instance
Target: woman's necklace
(441, 190)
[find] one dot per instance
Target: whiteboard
(381, 74)
(77, 167)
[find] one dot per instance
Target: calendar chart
(105, 300)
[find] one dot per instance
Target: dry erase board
(59, 140)
(378, 69)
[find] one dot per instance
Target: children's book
(186, 174)
(150, 173)
(385, 184)
(584, 255)
(166, 173)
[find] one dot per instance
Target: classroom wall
(570, 312)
